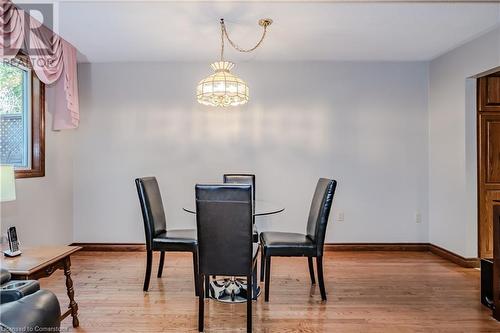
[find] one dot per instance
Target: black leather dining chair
(241, 178)
(310, 244)
(225, 247)
(244, 178)
(158, 237)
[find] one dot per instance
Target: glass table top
(261, 208)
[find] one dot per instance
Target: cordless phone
(13, 243)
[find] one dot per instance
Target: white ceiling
(123, 31)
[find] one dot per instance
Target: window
(22, 127)
(15, 115)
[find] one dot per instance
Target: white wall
(364, 124)
(43, 209)
(452, 143)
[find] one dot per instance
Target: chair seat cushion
(287, 244)
(175, 240)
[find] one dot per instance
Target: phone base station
(9, 253)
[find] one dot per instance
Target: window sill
(32, 173)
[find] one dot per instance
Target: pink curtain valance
(53, 59)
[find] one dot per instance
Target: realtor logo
(38, 21)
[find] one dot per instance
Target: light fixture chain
(233, 44)
(222, 40)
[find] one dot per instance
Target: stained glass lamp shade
(222, 88)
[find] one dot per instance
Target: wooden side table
(39, 262)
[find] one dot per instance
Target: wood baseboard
(453, 257)
(112, 247)
(420, 247)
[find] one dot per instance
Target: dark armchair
(12, 290)
(24, 307)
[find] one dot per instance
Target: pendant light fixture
(224, 88)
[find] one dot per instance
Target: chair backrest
(241, 178)
(319, 212)
(153, 213)
(224, 227)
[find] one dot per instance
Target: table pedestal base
(231, 290)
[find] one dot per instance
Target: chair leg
(196, 275)
(311, 269)
(149, 262)
(207, 286)
(254, 282)
(201, 304)
(319, 262)
(160, 266)
(268, 278)
(262, 264)
(249, 304)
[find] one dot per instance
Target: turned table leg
(71, 293)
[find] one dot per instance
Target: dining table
(232, 289)
(261, 208)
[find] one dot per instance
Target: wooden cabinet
(496, 260)
(489, 93)
(488, 122)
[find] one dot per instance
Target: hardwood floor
(367, 292)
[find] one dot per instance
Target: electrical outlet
(340, 216)
(418, 218)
